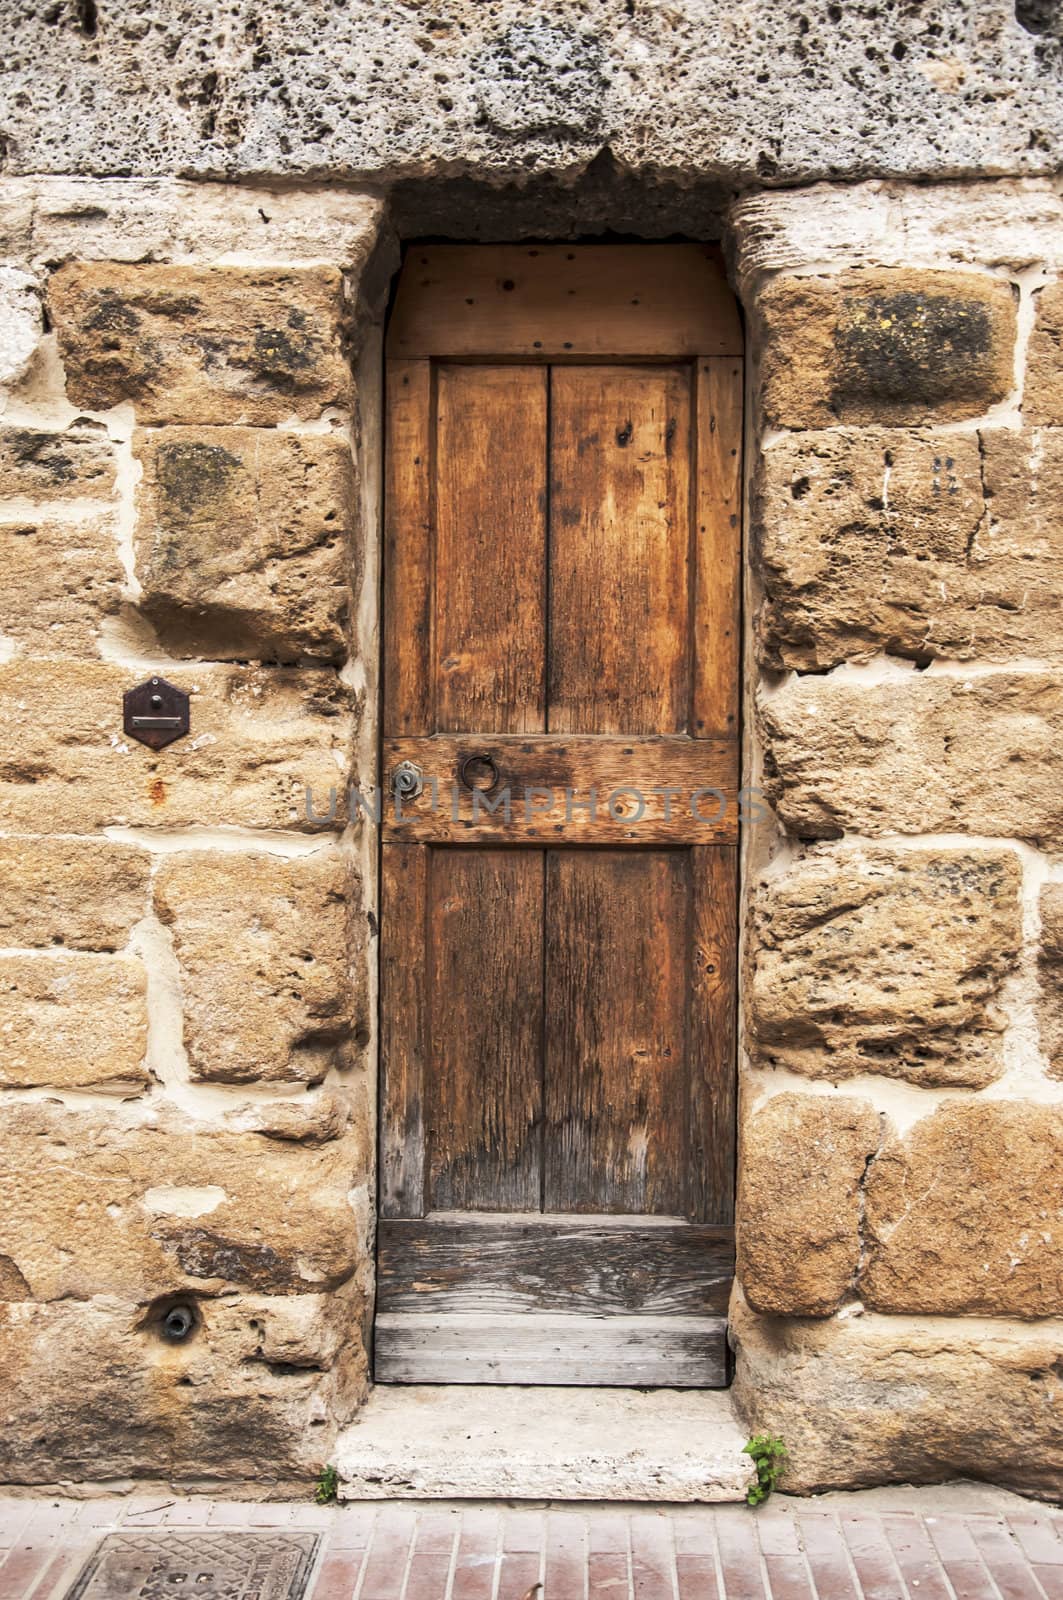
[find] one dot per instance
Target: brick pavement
(848, 1547)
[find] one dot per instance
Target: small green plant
(769, 1458)
(327, 1487)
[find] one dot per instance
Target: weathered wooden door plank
(615, 1067)
(408, 547)
(564, 302)
(620, 463)
(483, 1098)
(582, 789)
(490, 556)
(717, 588)
(404, 899)
(470, 1262)
(672, 1352)
(711, 1038)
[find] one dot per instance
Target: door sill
(491, 1441)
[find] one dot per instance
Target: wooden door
(558, 901)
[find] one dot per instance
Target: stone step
(457, 1442)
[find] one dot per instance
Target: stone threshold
(487, 1442)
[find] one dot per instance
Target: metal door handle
(468, 773)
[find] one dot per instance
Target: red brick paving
(845, 1548)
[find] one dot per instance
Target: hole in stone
(174, 1319)
(88, 21)
(1039, 16)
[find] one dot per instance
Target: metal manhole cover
(214, 1565)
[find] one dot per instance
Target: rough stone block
(202, 344)
(798, 1220)
(144, 1209)
(891, 346)
(879, 960)
(964, 1214)
(916, 753)
(93, 1391)
(264, 945)
(60, 580)
(259, 738)
(72, 1021)
(83, 893)
(40, 465)
(916, 544)
(242, 541)
(1043, 394)
(312, 1119)
(869, 1400)
(21, 323)
(1050, 1007)
(857, 534)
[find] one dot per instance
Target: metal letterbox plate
(156, 713)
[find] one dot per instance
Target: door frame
(740, 675)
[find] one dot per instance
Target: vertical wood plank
(616, 978)
(713, 954)
(404, 870)
(619, 541)
(407, 549)
(490, 550)
(718, 523)
(485, 965)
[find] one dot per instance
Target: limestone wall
(732, 92)
(901, 1165)
(189, 460)
(188, 1080)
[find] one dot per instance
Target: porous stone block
(798, 1219)
(83, 893)
(725, 95)
(61, 579)
(142, 1209)
(72, 1021)
(260, 738)
(917, 753)
(1050, 967)
(202, 344)
(264, 946)
(874, 1400)
(884, 346)
(917, 544)
(94, 1391)
(242, 541)
(141, 219)
(1014, 224)
(37, 464)
(964, 1214)
(860, 537)
(1043, 393)
(887, 961)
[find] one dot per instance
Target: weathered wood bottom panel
(472, 1263)
(628, 1352)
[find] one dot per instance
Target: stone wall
(728, 92)
(189, 465)
(898, 1315)
(188, 1083)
